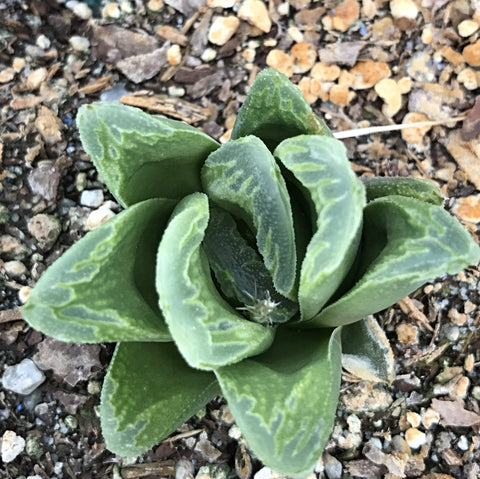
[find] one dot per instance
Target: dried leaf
(454, 414)
(471, 124)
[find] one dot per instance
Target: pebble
(12, 446)
(36, 77)
(303, 56)
(208, 450)
(155, 5)
(404, 9)
(471, 54)
(407, 333)
(255, 12)
(413, 418)
(468, 79)
(43, 42)
(222, 29)
(79, 44)
(23, 378)
(176, 92)
(339, 94)
(468, 208)
(213, 471)
(267, 473)
(221, 3)
(111, 10)
(420, 67)
(281, 61)
(367, 73)
(82, 11)
(99, 216)
(389, 91)
(15, 268)
(174, 55)
(91, 198)
(467, 28)
(333, 467)
(430, 418)
(33, 447)
(325, 73)
(44, 228)
(12, 248)
(415, 438)
(469, 363)
(18, 64)
(343, 16)
(208, 55)
(235, 433)
(7, 75)
(476, 393)
(416, 134)
(24, 294)
(463, 443)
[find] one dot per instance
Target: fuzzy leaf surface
(366, 352)
(286, 407)
(141, 156)
(274, 110)
(423, 190)
(320, 166)
(406, 243)
(239, 269)
(207, 330)
(102, 288)
(147, 393)
(243, 178)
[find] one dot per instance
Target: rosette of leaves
(240, 269)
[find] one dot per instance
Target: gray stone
(23, 378)
(143, 67)
(44, 180)
(91, 198)
(45, 229)
(79, 44)
(12, 445)
(333, 467)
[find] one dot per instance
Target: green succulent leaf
(243, 178)
(141, 156)
(366, 352)
(274, 110)
(406, 243)
(207, 330)
(239, 269)
(320, 166)
(423, 190)
(285, 399)
(147, 393)
(102, 288)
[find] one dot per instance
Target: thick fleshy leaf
(423, 190)
(285, 399)
(240, 271)
(207, 330)
(147, 393)
(102, 288)
(320, 166)
(243, 178)
(366, 352)
(141, 156)
(406, 243)
(274, 110)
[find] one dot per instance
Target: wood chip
(453, 413)
(180, 109)
(172, 34)
(466, 155)
(25, 102)
(9, 315)
(95, 85)
(158, 469)
(409, 308)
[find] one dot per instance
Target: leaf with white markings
(321, 168)
(102, 288)
(243, 178)
(287, 406)
(141, 156)
(170, 393)
(207, 330)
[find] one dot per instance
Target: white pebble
(23, 378)
(43, 42)
(176, 92)
(208, 55)
(99, 216)
(79, 44)
(82, 10)
(463, 443)
(15, 268)
(415, 438)
(24, 293)
(91, 198)
(12, 446)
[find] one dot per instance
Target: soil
(165, 58)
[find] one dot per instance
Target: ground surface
(369, 63)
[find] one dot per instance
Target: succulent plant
(240, 269)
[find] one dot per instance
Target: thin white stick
(381, 129)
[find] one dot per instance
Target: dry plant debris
(360, 64)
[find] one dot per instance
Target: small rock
(213, 471)
(221, 3)
(99, 216)
(48, 125)
(364, 397)
(23, 378)
(280, 61)
(155, 5)
(333, 467)
(267, 473)
(12, 248)
(222, 29)
(468, 79)
(389, 91)
(18, 64)
(79, 44)
(468, 208)
(174, 55)
(12, 446)
(44, 180)
(415, 134)
(82, 11)
(15, 268)
(208, 55)
(36, 77)
(91, 198)
(43, 42)
(420, 67)
(339, 94)
(404, 9)
(467, 28)
(33, 447)
(407, 333)
(414, 419)
(6, 75)
(24, 294)
(303, 56)
(139, 68)
(45, 229)
(471, 54)
(343, 16)
(415, 438)
(111, 10)
(255, 12)
(469, 363)
(208, 450)
(326, 73)
(367, 73)
(430, 418)
(172, 34)
(184, 469)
